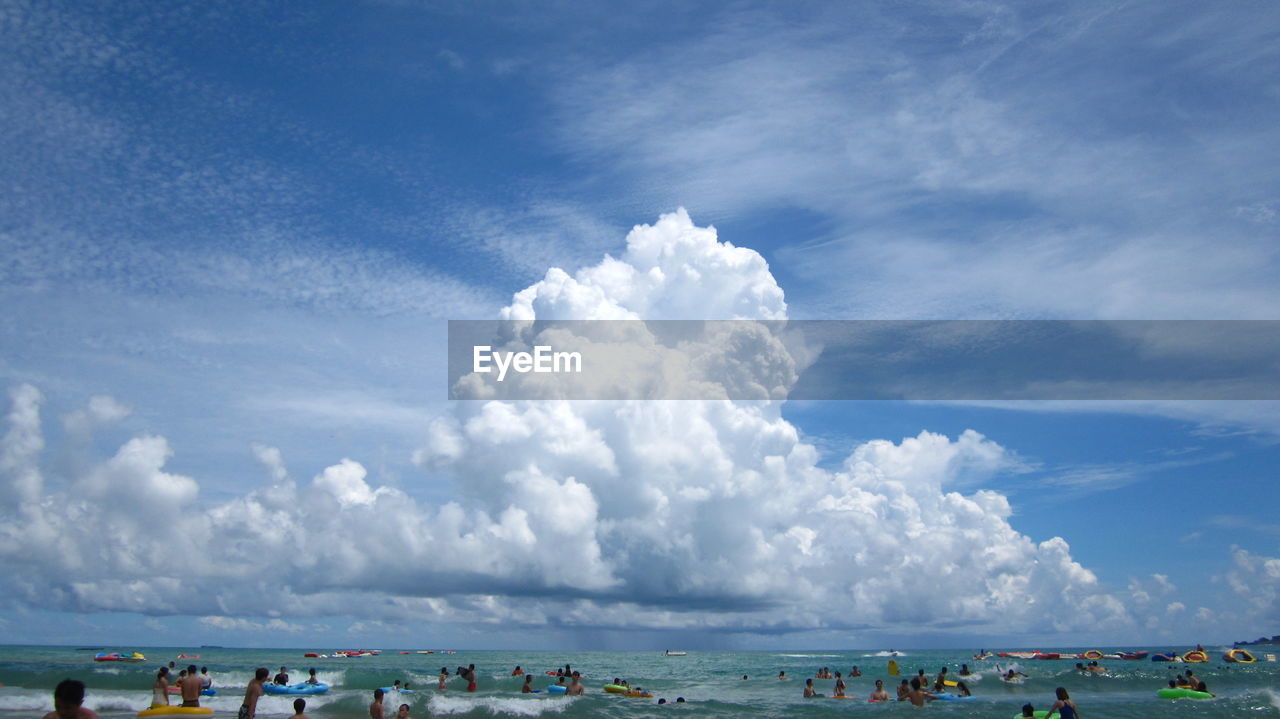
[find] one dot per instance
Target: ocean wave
(498, 706)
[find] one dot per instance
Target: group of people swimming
(1188, 680)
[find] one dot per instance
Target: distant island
(1259, 640)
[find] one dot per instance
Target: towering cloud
(702, 514)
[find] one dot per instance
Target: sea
(713, 684)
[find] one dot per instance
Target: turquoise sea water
(710, 682)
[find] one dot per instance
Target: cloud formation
(698, 514)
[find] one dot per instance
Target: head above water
(69, 692)
(299, 704)
(261, 673)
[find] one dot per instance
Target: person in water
(809, 691)
(855, 672)
(782, 676)
(470, 676)
(282, 677)
(575, 687)
(839, 689)
(964, 670)
(963, 689)
(904, 690)
(160, 689)
(941, 682)
(918, 696)
(1028, 711)
(879, 695)
(206, 681)
(249, 709)
(403, 712)
(299, 706)
(527, 687)
(517, 671)
(1064, 707)
(68, 697)
(311, 676)
(444, 677)
(375, 706)
(190, 686)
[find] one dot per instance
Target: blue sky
(232, 235)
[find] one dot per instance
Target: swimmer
(1028, 710)
(403, 712)
(282, 677)
(964, 670)
(941, 682)
(879, 695)
(249, 709)
(963, 689)
(190, 686)
(918, 696)
(1065, 708)
(160, 689)
(855, 672)
(839, 690)
(444, 677)
(575, 687)
(904, 690)
(517, 671)
(375, 707)
(299, 706)
(206, 682)
(782, 676)
(527, 688)
(809, 691)
(67, 698)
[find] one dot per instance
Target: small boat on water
(669, 653)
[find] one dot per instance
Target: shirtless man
(403, 712)
(527, 687)
(67, 698)
(375, 706)
(470, 676)
(904, 690)
(190, 686)
(299, 705)
(809, 691)
(879, 695)
(575, 687)
(249, 709)
(941, 682)
(918, 696)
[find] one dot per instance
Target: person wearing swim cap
(68, 697)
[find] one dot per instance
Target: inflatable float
(557, 689)
(1133, 655)
(1165, 658)
(948, 696)
(302, 689)
(118, 657)
(1091, 654)
(1183, 693)
(175, 711)
(1238, 656)
(1041, 714)
(1195, 656)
